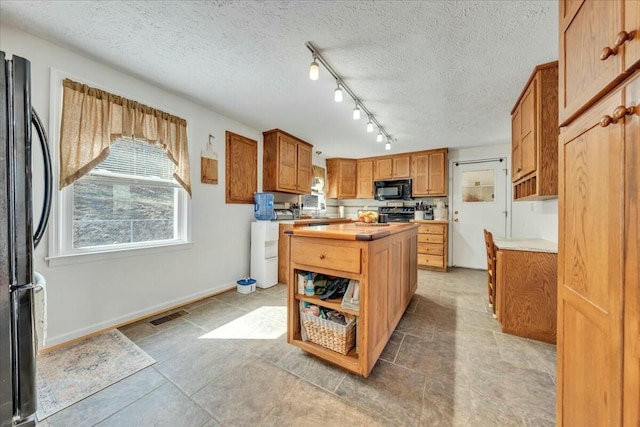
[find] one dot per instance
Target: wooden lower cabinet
(432, 244)
(526, 300)
(598, 297)
(283, 243)
(387, 273)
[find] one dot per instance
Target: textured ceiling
(434, 73)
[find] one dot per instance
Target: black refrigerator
(18, 124)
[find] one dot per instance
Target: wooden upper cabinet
(341, 178)
(516, 164)
(241, 168)
(401, 167)
(365, 179)
(429, 173)
(395, 167)
(383, 169)
(599, 47)
(528, 131)
(305, 172)
(524, 133)
(286, 163)
(438, 173)
(534, 136)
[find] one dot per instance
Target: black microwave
(396, 189)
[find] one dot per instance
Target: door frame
(508, 194)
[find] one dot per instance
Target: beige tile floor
(447, 364)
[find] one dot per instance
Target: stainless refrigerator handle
(48, 179)
(38, 284)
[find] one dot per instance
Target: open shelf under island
(384, 261)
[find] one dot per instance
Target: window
(478, 186)
(129, 200)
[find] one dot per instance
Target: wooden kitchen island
(384, 261)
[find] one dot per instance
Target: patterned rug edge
(49, 404)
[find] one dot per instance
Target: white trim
(120, 320)
(75, 258)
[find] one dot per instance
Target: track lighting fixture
(314, 73)
(314, 69)
(337, 94)
(356, 113)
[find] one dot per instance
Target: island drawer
(430, 238)
(431, 260)
(326, 256)
(431, 229)
(430, 248)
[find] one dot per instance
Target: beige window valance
(93, 119)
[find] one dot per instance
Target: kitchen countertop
(351, 231)
(523, 244)
(430, 221)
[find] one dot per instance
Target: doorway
(479, 201)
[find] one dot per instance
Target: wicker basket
(329, 334)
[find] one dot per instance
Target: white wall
(536, 219)
(89, 295)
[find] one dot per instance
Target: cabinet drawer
(326, 256)
(431, 260)
(431, 228)
(430, 238)
(431, 248)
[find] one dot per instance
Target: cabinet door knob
(622, 111)
(618, 114)
(621, 38)
(606, 121)
(321, 256)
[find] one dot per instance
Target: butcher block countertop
(430, 221)
(351, 231)
(529, 245)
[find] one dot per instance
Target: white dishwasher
(264, 253)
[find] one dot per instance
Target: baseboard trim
(64, 340)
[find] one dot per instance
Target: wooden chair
(491, 269)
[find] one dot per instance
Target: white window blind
(129, 200)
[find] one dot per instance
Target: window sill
(58, 260)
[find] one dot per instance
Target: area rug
(70, 374)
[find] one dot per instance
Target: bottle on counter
(309, 289)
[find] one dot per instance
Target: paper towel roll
(40, 308)
(341, 211)
(440, 214)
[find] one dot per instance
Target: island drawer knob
(321, 256)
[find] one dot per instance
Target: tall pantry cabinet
(599, 171)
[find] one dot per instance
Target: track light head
(379, 137)
(387, 146)
(356, 113)
(337, 94)
(369, 125)
(314, 69)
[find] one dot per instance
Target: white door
(479, 201)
